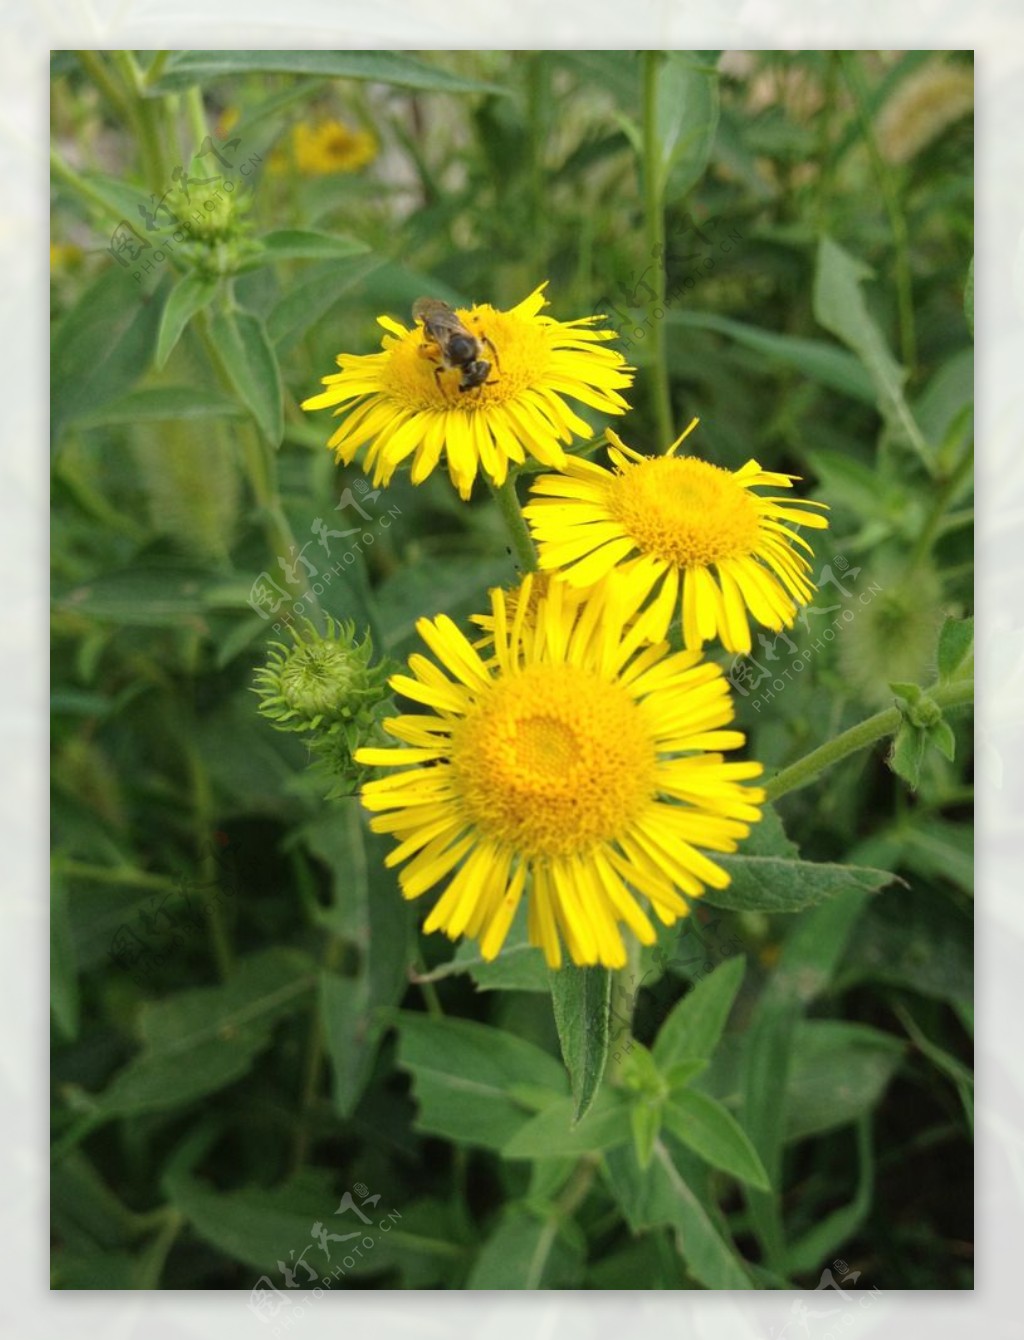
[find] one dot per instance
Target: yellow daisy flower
(580, 766)
(329, 147)
(394, 401)
(686, 527)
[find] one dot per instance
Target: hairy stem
(877, 727)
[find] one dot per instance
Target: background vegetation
(246, 1024)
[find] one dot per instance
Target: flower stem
(519, 532)
(655, 220)
(877, 727)
(890, 196)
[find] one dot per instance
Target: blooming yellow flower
(393, 400)
(329, 147)
(683, 526)
(579, 766)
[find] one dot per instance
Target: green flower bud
(321, 681)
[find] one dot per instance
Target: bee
(451, 345)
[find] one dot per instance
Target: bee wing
(436, 315)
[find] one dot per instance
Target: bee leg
(428, 349)
(494, 352)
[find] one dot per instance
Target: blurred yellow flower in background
(324, 148)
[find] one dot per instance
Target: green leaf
(956, 650)
(142, 596)
(64, 999)
(821, 362)
(840, 307)
(692, 1030)
(102, 346)
(664, 1195)
(645, 1119)
(202, 1040)
(828, 1235)
(554, 1132)
(519, 966)
(381, 67)
(302, 244)
(914, 939)
(778, 884)
(251, 363)
(305, 302)
(367, 911)
(713, 1132)
(941, 737)
(581, 998)
(839, 1071)
(156, 404)
(969, 298)
(686, 118)
(464, 1075)
(189, 296)
(907, 753)
(530, 1250)
(955, 1070)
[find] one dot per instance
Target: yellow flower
(405, 410)
(579, 766)
(683, 526)
(329, 147)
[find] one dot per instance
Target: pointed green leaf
(840, 306)
(581, 998)
(251, 364)
(554, 1132)
(956, 650)
(692, 1030)
(465, 1075)
(189, 295)
(530, 1250)
(713, 1132)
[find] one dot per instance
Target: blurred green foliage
(247, 1027)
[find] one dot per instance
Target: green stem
(150, 120)
(313, 1063)
(220, 943)
(655, 221)
(945, 494)
(196, 113)
(519, 532)
(155, 1256)
(877, 727)
(156, 67)
(95, 67)
(890, 196)
(78, 184)
(261, 469)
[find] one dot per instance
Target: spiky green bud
(326, 686)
